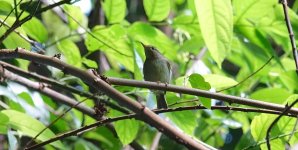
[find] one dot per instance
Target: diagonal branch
(18, 23)
(58, 84)
(58, 97)
(144, 113)
(287, 108)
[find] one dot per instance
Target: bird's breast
(156, 70)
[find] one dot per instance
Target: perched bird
(157, 69)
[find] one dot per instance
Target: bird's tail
(161, 101)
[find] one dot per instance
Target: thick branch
(143, 112)
(58, 97)
(45, 90)
(40, 78)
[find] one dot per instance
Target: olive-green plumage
(157, 69)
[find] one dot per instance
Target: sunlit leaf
(75, 16)
(126, 129)
(5, 7)
(219, 81)
(115, 10)
(185, 120)
(157, 10)
(197, 81)
(273, 95)
(260, 125)
(29, 126)
(36, 30)
(216, 24)
(70, 51)
(3, 123)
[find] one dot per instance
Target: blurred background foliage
(212, 45)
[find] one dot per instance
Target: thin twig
(54, 121)
(18, 23)
(291, 33)
(245, 79)
(294, 129)
(185, 101)
(18, 33)
(273, 138)
(129, 116)
(287, 108)
(91, 34)
(10, 13)
(80, 130)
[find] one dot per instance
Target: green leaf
(70, 51)
(198, 82)
(216, 24)
(291, 99)
(99, 138)
(273, 95)
(3, 123)
(243, 119)
(13, 40)
(114, 10)
(35, 29)
(260, 125)
(245, 140)
(89, 63)
(276, 144)
(74, 13)
(185, 120)
(252, 10)
(188, 23)
(193, 45)
(55, 26)
(29, 126)
(219, 81)
(253, 34)
(126, 129)
(290, 79)
(286, 124)
(5, 7)
(157, 10)
(114, 42)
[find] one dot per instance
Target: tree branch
(18, 23)
(287, 108)
(222, 97)
(144, 113)
(52, 82)
(291, 33)
(58, 97)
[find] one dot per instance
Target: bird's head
(151, 52)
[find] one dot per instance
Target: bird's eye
(153, 48)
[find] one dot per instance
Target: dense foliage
(235, 47)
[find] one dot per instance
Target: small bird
(157, 69)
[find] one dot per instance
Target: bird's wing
(170, 70)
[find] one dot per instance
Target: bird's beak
(146, 48)
(144, 45)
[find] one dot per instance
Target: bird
(157, 69)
